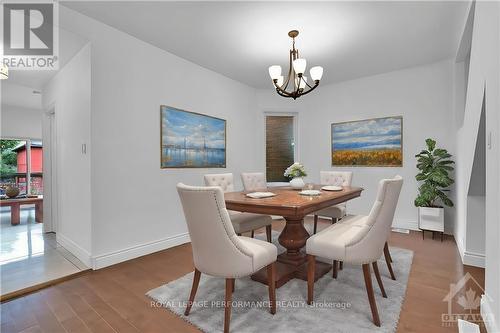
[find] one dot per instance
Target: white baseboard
(75, 249)
(488, 315)
(468, 257)
(112, 258)
(473, 259)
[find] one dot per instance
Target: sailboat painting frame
(191, 140)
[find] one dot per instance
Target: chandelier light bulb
(302, 82)
(299, 65)
(274, 72)
(316, 73)
(280, 80)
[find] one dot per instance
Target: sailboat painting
(191, 140)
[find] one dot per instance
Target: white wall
(484, 76)
(20, 122)
(135, 206)
(69, 94)
(422, 95)
(20, 111)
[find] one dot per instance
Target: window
(22, 166)
(280, 146)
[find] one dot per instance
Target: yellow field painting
(367, 158)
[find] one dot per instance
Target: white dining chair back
(363, 237)
(253, 181)
(337, 178)
(217, 250)
(380, 219)
(223, 180)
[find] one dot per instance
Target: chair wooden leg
(194, 288)
(388, 260)
(371, 295)
(253, 233)
(334, 220)
(334, 270)
(271, 282)
(227, 304)
(386, 249)
(379, 279)
(315, 224)
(311, 268)
(341, 265)
(269, 233)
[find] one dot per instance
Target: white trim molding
(473, 259)
(488, 315)
(75, 249)
(468, 257)
(112, 258)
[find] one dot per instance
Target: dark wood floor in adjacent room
(113, 300)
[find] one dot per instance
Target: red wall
(36, 160)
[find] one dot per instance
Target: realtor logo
(466, 293)
(29, 35)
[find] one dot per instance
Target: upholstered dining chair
(217, 250)
(253, 181)
(358, 240)
(242, 222)
(335, 212)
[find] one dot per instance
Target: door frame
(50, 172)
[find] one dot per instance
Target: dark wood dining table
(293, 207)
(15, 208)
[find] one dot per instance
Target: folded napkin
(259, 195)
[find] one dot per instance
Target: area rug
(341, 305)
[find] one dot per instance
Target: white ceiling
(21, 96)
(18, 89)
(69, 45)
(241, 39)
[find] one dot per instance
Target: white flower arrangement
(295, 170)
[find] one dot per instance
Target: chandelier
(295, 84)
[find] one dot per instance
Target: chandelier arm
(308, 91)
(289, 70)
(280, 90)
(286, 83)
(307, 84)
(283, 93)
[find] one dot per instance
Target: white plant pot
(297, 183)
(431, 218)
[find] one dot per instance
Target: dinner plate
(260, 195)
(332, 188)
(310, 192)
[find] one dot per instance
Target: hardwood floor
(113, 300)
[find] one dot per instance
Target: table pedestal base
(285, 270)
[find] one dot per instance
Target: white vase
(431, 218)
(297, 183)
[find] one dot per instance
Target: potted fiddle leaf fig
(435, 165)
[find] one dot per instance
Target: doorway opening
(30, 255)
